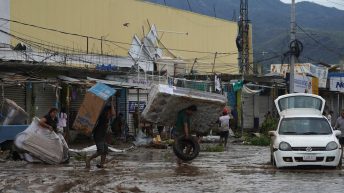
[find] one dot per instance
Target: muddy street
(238, 169)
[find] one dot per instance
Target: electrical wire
(47, 44)
(99, 39)
(39, 68)
(40, 45)
(320, 43)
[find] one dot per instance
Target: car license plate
(309, 158)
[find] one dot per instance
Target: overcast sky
(339, 4)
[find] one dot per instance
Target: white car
(304, 136)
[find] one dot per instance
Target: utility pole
(292, 39)
(244, 39)
(243, 47)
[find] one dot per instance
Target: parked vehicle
(304, 136)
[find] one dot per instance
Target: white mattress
(165, 102)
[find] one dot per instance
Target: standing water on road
(238, 169)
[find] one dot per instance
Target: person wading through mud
(224, 127)
(50, 120)
(183, 124)
(99, 136)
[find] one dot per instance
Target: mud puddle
(238, 169)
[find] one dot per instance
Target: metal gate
(77, 96)
(14, 93)
(121, 100)
(133, 97)
(44, 97)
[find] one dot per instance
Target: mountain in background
(322, 28)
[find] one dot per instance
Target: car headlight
(284, 146)
(331, 146)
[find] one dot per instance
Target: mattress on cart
(165, 102)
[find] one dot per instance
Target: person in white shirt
(224, 127)
(62, 121)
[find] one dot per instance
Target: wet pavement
(239, 169)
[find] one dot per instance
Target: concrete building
(109, 27)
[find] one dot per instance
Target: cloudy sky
(339, 4)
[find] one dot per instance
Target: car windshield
(305, 126)
(299, 102)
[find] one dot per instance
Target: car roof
(304, 112)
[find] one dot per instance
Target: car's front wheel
(339, 166)
(272, 160)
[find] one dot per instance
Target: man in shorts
(99, 136)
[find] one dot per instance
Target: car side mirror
(272, 133)
(337, 133)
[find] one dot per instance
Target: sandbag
(42, 144)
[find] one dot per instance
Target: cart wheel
(186, 149)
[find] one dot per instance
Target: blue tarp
(9, 132)
(103, 91)
(335, 74)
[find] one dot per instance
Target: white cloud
(339, 4)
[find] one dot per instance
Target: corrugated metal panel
(77, 97)
(263, 106)
(122, 101)
(15, 93)
(77, 100)
(132, 96)
(248, 111)
(45, 98)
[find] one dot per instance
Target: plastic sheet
(42, 144)
(142, 139)
(93, 148)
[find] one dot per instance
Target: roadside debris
(123, 189)
(12, 119)
(4, 155)
(12, 114)
(141, 139)
(39, 144)
(93, 148)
